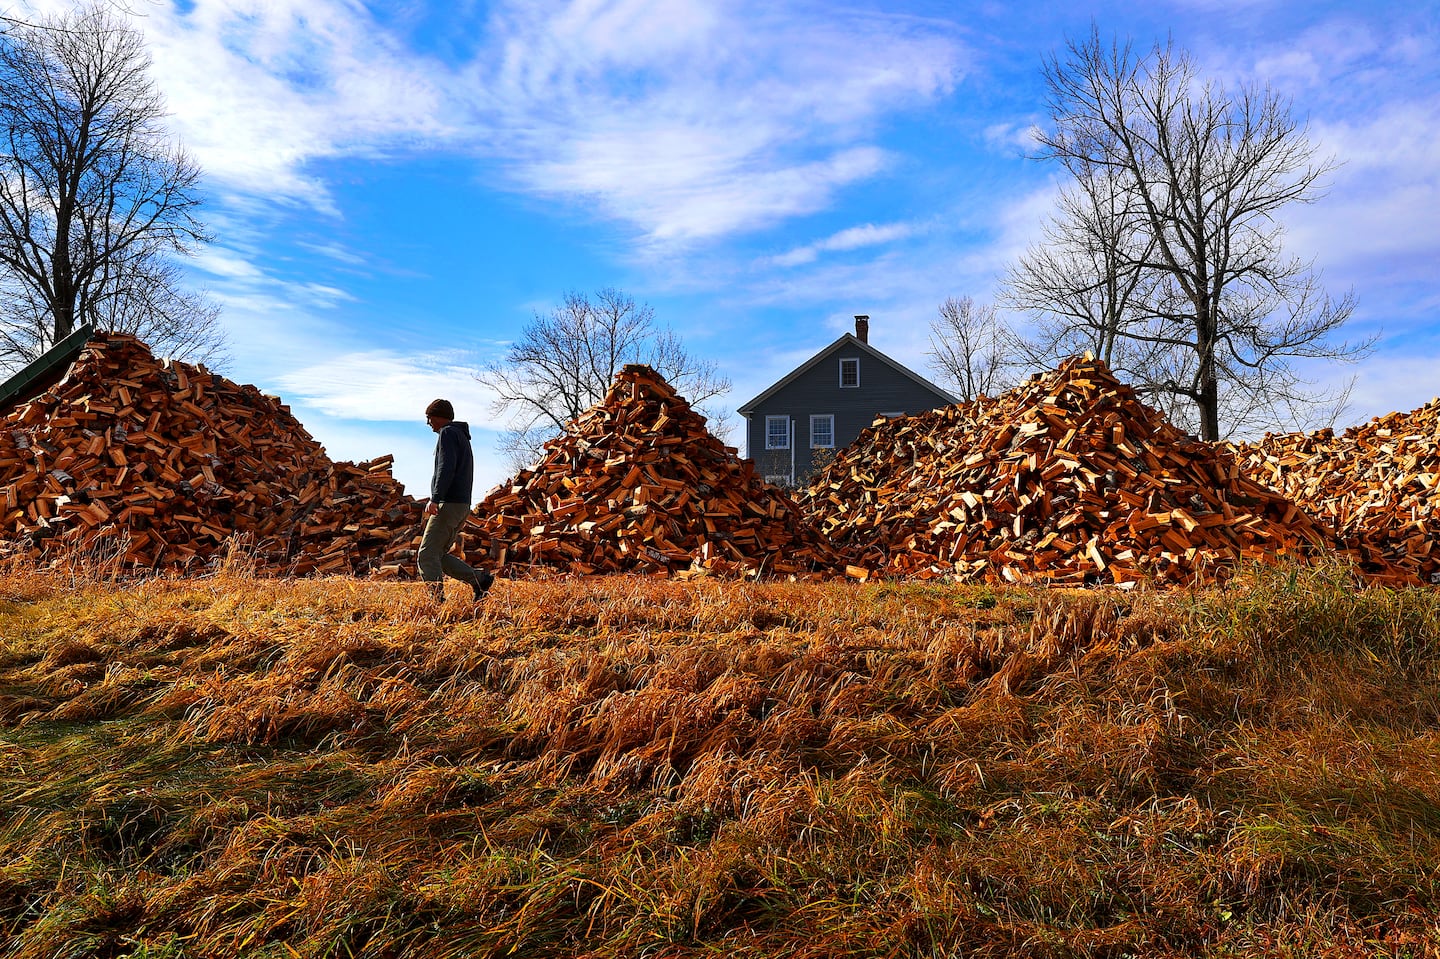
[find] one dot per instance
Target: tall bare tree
(1084, 279)
(971, 348)
(1086, 286)
(96, 200)
(564, 362)
(1193, 178)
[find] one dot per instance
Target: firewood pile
(638, 483)
(171, 466)
(1068, 479)
(1378, 484)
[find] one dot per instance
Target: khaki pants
(440, 533)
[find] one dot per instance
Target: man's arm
(449, 459)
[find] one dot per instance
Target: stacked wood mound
(170, 466)
(1378, 484)
(638, 483)
(1067, 479)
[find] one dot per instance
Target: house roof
(46, 370)
(850, 341)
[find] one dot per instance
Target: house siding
(817, 391)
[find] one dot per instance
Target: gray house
(823, 404)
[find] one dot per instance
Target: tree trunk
(1209, 399)
(62, 308)
(1209, 403)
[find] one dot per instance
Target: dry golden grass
(236, 766)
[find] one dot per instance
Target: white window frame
(769, 435)
(843, 361)
(829, 420)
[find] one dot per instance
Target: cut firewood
(178, 465)
(1068, 479)
(1378, 484)
(638, 483)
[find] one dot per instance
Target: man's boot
(482, 583)
(437, 592)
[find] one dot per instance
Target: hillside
(625, 766)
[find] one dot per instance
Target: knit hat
(442, 409)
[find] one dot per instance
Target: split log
(1378, 483)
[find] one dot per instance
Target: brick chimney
(862, 327)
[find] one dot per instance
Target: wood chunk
(1377, 483)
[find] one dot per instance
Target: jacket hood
(460, 425)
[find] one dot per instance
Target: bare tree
(972, 349)
(564, 362)
(1189, 271)
(1085, 284)
(96, 201)
(1084, 279)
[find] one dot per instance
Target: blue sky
(396, 188)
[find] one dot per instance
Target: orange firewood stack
(638, 483)
(1068, 479)
(167, 462)
(1378, 484)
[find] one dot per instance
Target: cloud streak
(384, 385)
(261, 89)
(685, 120)
(694, 120)
(855, 238)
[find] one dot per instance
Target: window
(778, 479)
(850, 372)
(777, 432)
(822, 431)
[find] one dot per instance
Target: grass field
(238, 766)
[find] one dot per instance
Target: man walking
(449, 505)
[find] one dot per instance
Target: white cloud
(853, 238)
(412, 445)
(327, 295)
(1012, 137)
(1016, 225)
(1378, 219)
(695, 120)
(387, 385)
(684, 119)
(335, 252)
(259, 89)
(1318, 56)
(224, 263)
(1362, 82)
(674, 188)
(366, 403)
(1394, 380)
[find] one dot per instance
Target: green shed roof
(46, 369)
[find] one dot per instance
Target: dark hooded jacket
(454, 465)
